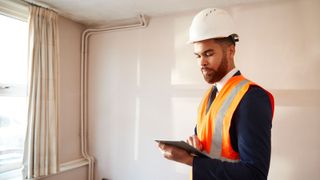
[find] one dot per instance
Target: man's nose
(203, 61)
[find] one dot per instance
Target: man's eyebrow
(204, 52)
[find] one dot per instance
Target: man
(235, 115)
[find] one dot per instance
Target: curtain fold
(41, 143)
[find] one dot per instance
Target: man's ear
(231, 50)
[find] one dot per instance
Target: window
(13, 93)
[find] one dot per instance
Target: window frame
(18, 10)
(15, 9)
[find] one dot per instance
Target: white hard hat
(212, 23)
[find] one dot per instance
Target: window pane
(13, 100)
(12, 131)
(14, 51)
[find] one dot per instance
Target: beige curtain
(41, 144)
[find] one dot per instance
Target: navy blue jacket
(250, 134)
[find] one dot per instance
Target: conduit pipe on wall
(84, 85)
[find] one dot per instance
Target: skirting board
(73, 164)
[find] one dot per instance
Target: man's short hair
(230, 40)
(225, 41)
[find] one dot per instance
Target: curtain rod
(40, 4)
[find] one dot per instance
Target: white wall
(284, 55)
(69, 124)
(70, 37)
(145, 84)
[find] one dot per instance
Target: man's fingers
(190, 140)
(160, 146)
(195, 142)
(166, 150)
(175, 154)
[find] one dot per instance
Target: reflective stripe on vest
(213, 126)
(216, 144)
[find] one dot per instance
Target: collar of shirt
(224, 80)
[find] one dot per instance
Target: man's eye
(208, 54)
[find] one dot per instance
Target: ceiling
(102, 12)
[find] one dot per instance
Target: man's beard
(214, 76)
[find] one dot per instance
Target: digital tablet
(183, 145)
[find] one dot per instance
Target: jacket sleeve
(251, 137)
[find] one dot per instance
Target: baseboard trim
(73, 164)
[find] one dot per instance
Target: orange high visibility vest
(213, 126)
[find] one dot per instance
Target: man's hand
(195, 142)
(176, 154)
